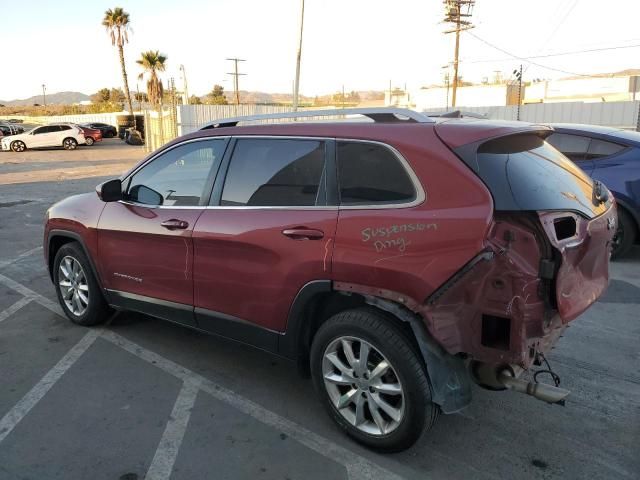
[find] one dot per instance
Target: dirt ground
(111, 157)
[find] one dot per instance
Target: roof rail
(456, 114)
(378, 115)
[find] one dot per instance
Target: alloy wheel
(18, 146)
(73, 285)
(69, 144)
(363, 386)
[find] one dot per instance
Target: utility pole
(44, 95)
(457, 12)
(296, 85)
(518, 74)
(235, 76)
(185, 90)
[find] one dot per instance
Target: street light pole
(44, 95)
(296, 85)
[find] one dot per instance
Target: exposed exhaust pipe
(541, 391)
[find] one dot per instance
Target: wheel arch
(56, 239)
(318, 301)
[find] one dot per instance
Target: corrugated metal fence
(193, 117)
(612, 114)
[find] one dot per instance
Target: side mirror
(110, 191)
(146, 195)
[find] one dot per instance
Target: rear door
(268, 232)
(145, 246)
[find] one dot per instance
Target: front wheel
(77, 289)
(70, 143)
(18, 146)
(371, 380)
(625, 235)
(89, 141)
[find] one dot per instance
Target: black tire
(89, 141)
(97, 310)
(18, 146)
(625, 235)
(70, 143)
(381, 333)
(110, 134)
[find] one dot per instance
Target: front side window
(574, 147)
(370, 174)
(41, 130)
(274, 172)
(177, 177)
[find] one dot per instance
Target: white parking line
(27, 292)
(28, 253)
(167, 452)
(357, 466)
(24, 406)
(354, 463)
(14, 308)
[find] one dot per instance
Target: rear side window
(274, 172)
(601, 148)
(65, 127)
(574, 147)
(371, 174)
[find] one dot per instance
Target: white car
(54, 135)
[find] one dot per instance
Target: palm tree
(116, 22)
(152, 62)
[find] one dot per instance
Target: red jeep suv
(396, 259)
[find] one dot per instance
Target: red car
(397, 260)
(91, 135)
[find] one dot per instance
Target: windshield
(524, 172)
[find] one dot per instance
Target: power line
(235, 76)
(559, 54)
(525, 59)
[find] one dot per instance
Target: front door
(144, 242)
(41, 136)
(267, 234)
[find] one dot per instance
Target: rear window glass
(523, 172)
(369, 174)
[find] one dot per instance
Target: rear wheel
(18, 146)
(625, 235)
(77, 289)
(89, 141)
(371, 380)
(70, 143)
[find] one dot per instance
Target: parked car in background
(397, 260)
(108, 131)
(91, 135)
(10, 129)
(611, 156)
(54, 135)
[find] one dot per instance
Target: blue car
(611, 156)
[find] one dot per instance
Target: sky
(361, 44)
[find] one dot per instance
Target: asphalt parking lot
(142, 398)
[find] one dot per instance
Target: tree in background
(195, 100)
(153, 62)
(216, 96)
(116, 22)
(116, 95)
(101, 96)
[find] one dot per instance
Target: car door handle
(175, 224)
(303, 233)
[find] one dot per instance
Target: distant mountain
(60, 98)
